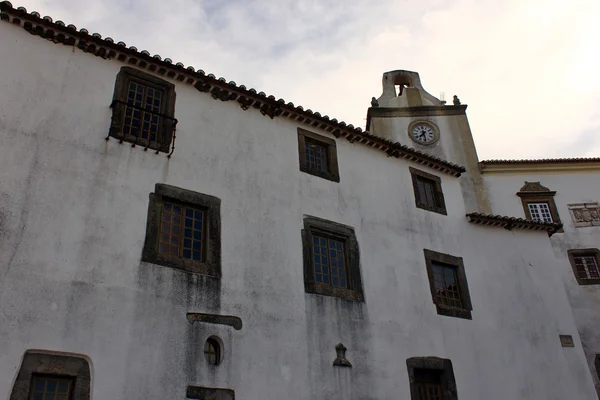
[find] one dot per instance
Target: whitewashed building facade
(165, 234)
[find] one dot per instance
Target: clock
(423, 132)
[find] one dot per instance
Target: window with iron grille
(183, 230)
(428, 191)
(331, 259)
(318, 155)
(586, 265)
(431, 378)
(143, 110)
(448, 284)
(50, 388)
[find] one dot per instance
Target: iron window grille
(318, 155)
(183, 230)
(431, 378)
(586, 265)
(428, 191)
(143, 111)
(448, 284)
(331, 260)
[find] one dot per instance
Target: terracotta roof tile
(513, 222)
(220, 89)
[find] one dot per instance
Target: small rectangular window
(428, 384)
(448, 284)
(586, 265)
(50, 388)
(318, 155)
(183, 230)
(540, 212)
(428, 191)
(331, 259)
(143, 109)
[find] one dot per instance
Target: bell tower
(406, 113)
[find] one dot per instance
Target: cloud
(527, 68)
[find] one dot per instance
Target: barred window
(431, 378)
(428, 191)
(143, 110)
(586, 265)
(184, 230)
(318, 155)
(50, 388)
(448, 284)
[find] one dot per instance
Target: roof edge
(219, 88)
(540, 165)
(510, 223)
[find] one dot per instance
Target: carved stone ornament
(585, 214)
(341, 361)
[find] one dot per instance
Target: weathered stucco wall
(73, 213)
(571, 188)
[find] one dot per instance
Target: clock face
(423, 134)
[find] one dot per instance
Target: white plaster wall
(571, 188)
(72, 224)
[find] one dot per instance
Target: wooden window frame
(432, 257)
(71, 380)
(333, 173)
(211, 263)
(167, 109)
(317, 226)
(442, 365)
(53, 365)
(534, 192)
(584, 252)
(415, 175)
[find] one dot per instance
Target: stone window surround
(534, 192)
(211, 265)
(333, 173)
(314, 225)
(415, 174)
(165, 130)
(593, 210)
(463, 287)
(580, 252)
(58, 364)
(433, 363)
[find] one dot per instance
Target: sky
(529, 70)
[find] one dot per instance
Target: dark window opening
(448, 284)
(318, 155)
(212, 351)
(50, 388)
(182, 232)
(428, 191)
(428, 384)
(586, 265)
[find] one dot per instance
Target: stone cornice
(218, 88)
